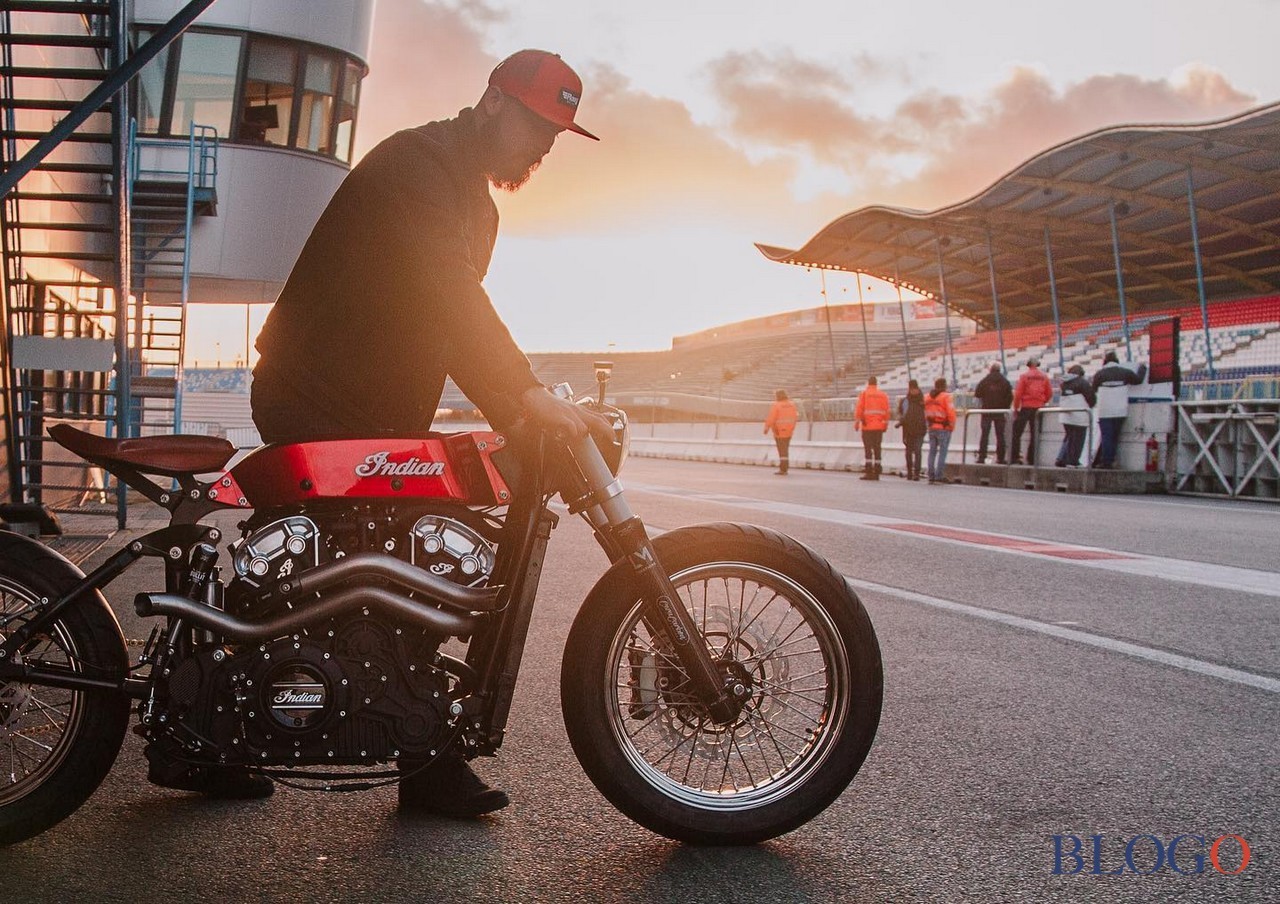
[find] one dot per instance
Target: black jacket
(994, 391)
(386, 298)
(911, 415)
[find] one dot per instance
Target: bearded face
(514, 141)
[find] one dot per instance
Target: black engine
(359, 689)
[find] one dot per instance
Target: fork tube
(665, 609)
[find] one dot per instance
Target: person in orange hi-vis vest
(781, 422)
(940, 415)
(871, 416)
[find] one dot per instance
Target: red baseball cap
(544, 83)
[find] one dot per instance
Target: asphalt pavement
(1067, 679)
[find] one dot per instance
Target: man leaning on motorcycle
(385, 301)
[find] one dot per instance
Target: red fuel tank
(454, 467)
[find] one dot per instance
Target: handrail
(1058, 409)
(1038, 427)
(964, 427)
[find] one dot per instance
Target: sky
(729, 123)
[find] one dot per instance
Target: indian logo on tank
(377, 465)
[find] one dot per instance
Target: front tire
(56, 745)
(774, 614)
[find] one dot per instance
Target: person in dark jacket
(911, 422)
(1077, 396)
(993, 391)
(386, 300)
(1112, 384)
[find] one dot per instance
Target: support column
(1053, 297)
(1195, 245)
(946, 308)
(902, 316)
(121, 154)
(831, 342)
(1115, 245)
(995, 300)
(862, 309)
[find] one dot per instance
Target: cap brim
(574, 127)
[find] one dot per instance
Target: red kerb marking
(1038, 547)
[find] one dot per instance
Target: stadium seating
(1243, 339)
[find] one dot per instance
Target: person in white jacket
(1077, 396)
(1112, 385)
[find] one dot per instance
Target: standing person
(871, 416)
(386, 300)
(993, 391)
(1031, 394)
(1079, 397)
(911, 421)
(1112, 385)
(781, 421)
(940, 415)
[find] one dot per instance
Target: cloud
(654, 164)
(937, 148)
(973, 144)
(784, 117)
(427, 62)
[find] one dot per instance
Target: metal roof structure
(1120, 220)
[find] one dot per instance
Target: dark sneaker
(448, 787)
(220, 782)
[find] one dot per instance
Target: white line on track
(1204, 574)
(1185, 663)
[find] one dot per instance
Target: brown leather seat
(170, 456)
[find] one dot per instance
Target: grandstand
(706, 379)
(1243, 341)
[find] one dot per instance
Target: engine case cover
(352, 698)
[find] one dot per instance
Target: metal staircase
(61, 247)
(80, 344)
(166, 202)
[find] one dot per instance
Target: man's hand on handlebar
(563, 418)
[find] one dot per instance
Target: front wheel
(779, 619)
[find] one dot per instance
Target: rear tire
(771, 611)
(56, 745)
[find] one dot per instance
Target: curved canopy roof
(1139, 174)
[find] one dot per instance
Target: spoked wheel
(780, 623)
(56, 745)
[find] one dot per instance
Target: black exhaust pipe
(438, 621)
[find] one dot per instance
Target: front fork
(610, 514)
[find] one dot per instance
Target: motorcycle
(721, 683)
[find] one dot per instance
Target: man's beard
(509, 181)
(508, 175)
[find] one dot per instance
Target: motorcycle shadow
(780, 870)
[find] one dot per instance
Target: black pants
(914, 443)
(1072, 445)
(1024, 417)
(871, 441)
(784, 449)
(989, 421)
